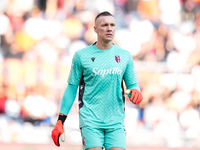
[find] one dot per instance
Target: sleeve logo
(71, 67)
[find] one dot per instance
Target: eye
(104, 25)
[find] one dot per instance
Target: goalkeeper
(98, 72)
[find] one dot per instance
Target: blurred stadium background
(38, 39)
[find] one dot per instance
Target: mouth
(109, 35)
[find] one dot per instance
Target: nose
(109, 28)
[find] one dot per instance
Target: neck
(103, 45)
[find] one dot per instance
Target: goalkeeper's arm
(66, 104)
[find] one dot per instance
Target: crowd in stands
(39, 37)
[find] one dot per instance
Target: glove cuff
(62, 117)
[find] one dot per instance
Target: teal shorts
(98, 137)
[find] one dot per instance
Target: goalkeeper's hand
(134, 95)
(58, 132)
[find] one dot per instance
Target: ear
(95, 29)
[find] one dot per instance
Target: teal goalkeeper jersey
(99, 75)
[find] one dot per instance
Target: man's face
(105, 28)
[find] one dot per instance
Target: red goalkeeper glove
(134, 95)
(57, 132)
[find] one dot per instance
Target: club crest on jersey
(117, 58)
